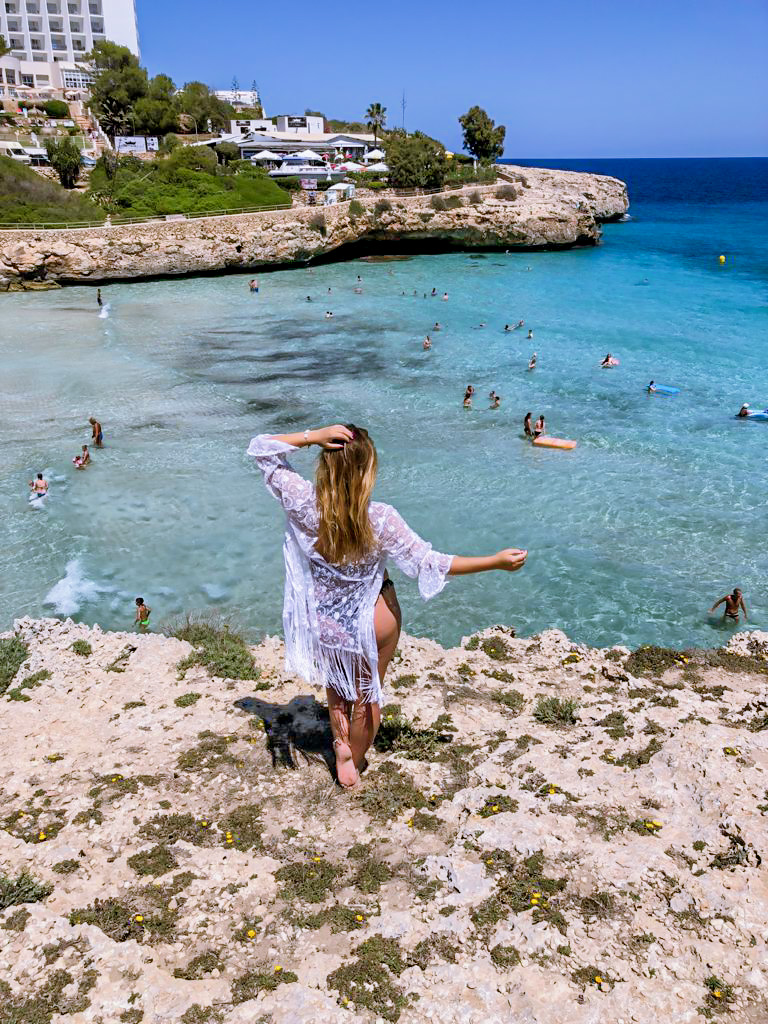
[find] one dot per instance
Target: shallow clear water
(660, 510)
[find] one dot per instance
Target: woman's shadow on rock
(302, 726)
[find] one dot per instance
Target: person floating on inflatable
(722, 259)
(609, 361)
(743, 411)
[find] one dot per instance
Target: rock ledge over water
(547, 833)
(529, 208)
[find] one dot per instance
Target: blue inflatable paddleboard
(663, 389)
(755, 416)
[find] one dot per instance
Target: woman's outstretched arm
(510, 559)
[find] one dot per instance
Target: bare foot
(346, 772)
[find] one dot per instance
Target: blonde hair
(344, 482)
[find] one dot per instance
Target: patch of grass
(497, 804)
(730, 662)
(369, 982)
(82, 647)
(636, 758)
(187, 700)
(27, 683)
(199, 966)
(511, 699)
(356, 209)
(339, 917)
(496, 648)
(116, 920)
(40, 1007)
(247, 930)
(120, 663)
(309, 881)
(391, 793)
(403, 681)
(211, 752)
(217, 647)
(132, 1016)
(17, 921)
(157, 861)
(397, 735)
(505, 957)
(197, 1014)
(248, 985)
(719, 994)
(66, 867)
(506, 192)
(615, 724)
(371, 873)
(166, 829)
(436, 947)
(243, 828)
(652, 661)
(556, 710)
(13, 653)
(382, 206)
(591, 976)
(522, 886)
(598, 906)
(134, 704)
(426, 822)
(34, 824)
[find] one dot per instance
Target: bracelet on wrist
(306, 436)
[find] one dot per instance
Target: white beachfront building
(22, 80)
(63, 31)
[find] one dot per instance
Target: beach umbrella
(266, 155)
(374, 154)
(308, 154)
(377, 167)
(350, 165)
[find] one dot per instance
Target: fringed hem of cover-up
(347, 673)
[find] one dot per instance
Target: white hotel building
(59, 31)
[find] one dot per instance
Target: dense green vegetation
(26, 198)
(415, 161)
(188, 180)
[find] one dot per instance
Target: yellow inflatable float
(553, 442)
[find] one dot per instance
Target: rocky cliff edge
(546, 833)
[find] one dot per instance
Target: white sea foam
(104, 312)
(68, 595)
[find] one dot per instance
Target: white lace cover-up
(328, 609)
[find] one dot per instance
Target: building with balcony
(58, 31)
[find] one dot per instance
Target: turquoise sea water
(660, 510)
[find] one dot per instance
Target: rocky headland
(529, 208)
(546, 834)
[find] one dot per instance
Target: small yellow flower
(41, 835)
(495, 807)
(344, 1001)
(552, 790)
(359, 917)
(537, 894)
(489, 861)
(717, 993)
(139, 918)
(598, 980)
(251, 933)
(409, 823)
(278, 968)
(656, 824)
(21, 814)
(317, 859)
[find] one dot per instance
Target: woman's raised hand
(331, 437)
(511, 559)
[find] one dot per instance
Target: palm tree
(376, 118)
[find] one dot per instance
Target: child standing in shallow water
(142, 615)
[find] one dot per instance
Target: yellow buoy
(722, 259)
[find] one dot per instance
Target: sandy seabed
(546, 834)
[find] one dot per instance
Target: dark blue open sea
(659, 510)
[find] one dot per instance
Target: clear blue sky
(569, 78)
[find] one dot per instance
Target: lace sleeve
(409, 552)
(294, 493)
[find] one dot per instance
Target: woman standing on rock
(340, 614)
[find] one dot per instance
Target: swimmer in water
(39, 486)
(328, 314)
(532, 362)
(733, 603)
(309, 298)
(445, 296)
(743, 411)
(530, 335)
(538, 427)
(527, 425)
(495, 401)
(253, 285)
(142, 615)
(97, 435)
(467, 401)
(507, 327)
(469, 391)
(437, 326)
(98, 298)
(427, 343)
(607, 360)
(433, 292)
(651, 387)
